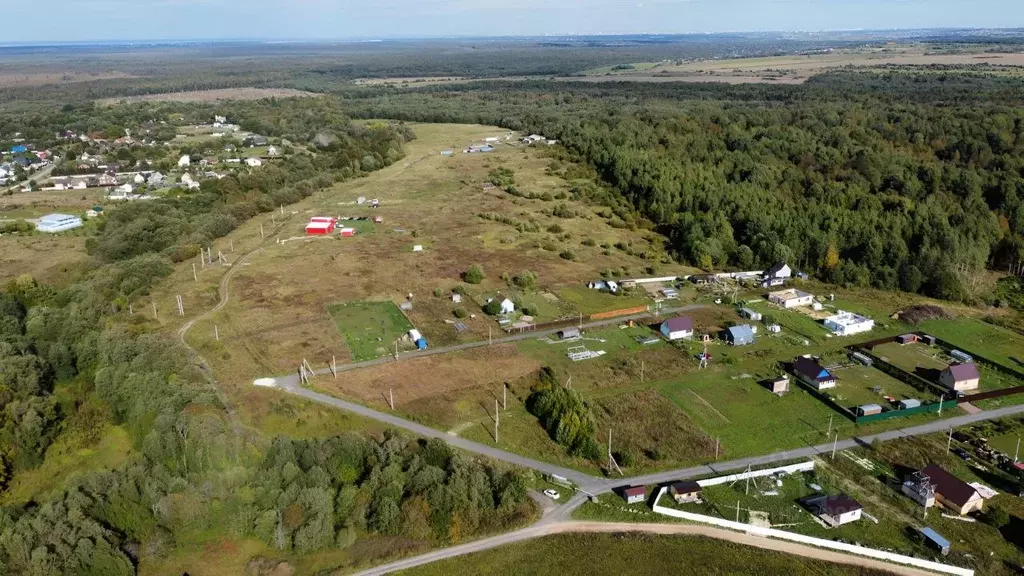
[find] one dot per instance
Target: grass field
(970, 334)
(856, 387)
(371, 329)
(920, 359)
(211, 95)
(601, 554)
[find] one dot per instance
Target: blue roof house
(20, 148)
(740, 335)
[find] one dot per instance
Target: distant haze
(99, 20)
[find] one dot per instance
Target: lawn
(857, 383)
(920, 359)
(589, 301)
(370, 328)
(792, 321)
(593, 554)
(970, 334)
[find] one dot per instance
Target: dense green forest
(71, 361)
(886, 179)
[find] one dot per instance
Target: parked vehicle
(553, 494)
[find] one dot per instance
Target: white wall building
(847, 323)
(58, 223)
(184, 161)
(791, 298)
(253, 162)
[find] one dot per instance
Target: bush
(556, 229)
(567, 255)
(589, 242)
(474, 275)
(493, 308)
(996, 517)
(460, 313)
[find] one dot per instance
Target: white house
(187, 178)
(837, 510)
(253, 162)
(272, 151)
(184, 161)
(156, 178)
(125, 189)
(139, 179)
(677, 328)
(790, 298)
(507, 306)
(780, 270)
(847, 323)
(58, 223)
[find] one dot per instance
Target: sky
(97, 20)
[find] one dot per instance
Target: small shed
(752, 314)
(417, 248)
(869, 410)
(347, 232)
(928, 339)
(457, 298)
(569, 333)
(634, 494)
(909, 403)
(507, 306)
(740, 335)
(685, 491)
(907, 339)
(933, 539)
(780, 385)
(405, 306)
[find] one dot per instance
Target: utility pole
(611, 459)
(131, 311)
(835, 445)
(216, 333)
(495, 420)
(1017, 451)
(202, 259)
(261, 231)
(737, 511)
(718, 441)
(181, 306)
(504, 396)
(391, 397)
(155, 317)
(232, 246)
(829, 433)
(334, 367)
(942, 400)
(949, 443)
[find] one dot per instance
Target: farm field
(275, 316)
(584, 554)
(797, 68)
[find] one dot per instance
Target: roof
(776, 269)
(55, 218)
(679, 324)
(950, 487)
(790, 294)
(935, 537)
(810, 368)
(961, 372)
(686, 486)
(742, 332)
(838, 504)
(635, 491)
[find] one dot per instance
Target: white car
(553, 494)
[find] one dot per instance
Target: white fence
(790, 469)
(783, 535)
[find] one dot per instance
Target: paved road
(293, 379)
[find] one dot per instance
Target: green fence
(922, 409)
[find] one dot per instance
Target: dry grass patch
(211, 95)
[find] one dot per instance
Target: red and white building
(319, 225)
(348, 232)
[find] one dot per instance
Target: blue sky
(75, 20)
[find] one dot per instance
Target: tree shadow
(1014, 533)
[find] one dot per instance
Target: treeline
(919, 186)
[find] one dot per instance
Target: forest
(71, 361)
(917, 185)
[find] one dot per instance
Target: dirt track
(739, 538)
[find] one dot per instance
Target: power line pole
(391, 397)
(829, 433)
(181, 306)
(504, 396)
(216, 333)
(718, 441)
(194, 275)
(737, 511)
(1017, 451)
(495, 420)
(334, 367)
(835, 445)
(155, 317)
(949, 443)
(261, 231)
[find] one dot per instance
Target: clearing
(211, 95)
(371, 329)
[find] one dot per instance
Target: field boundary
(819, 542)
